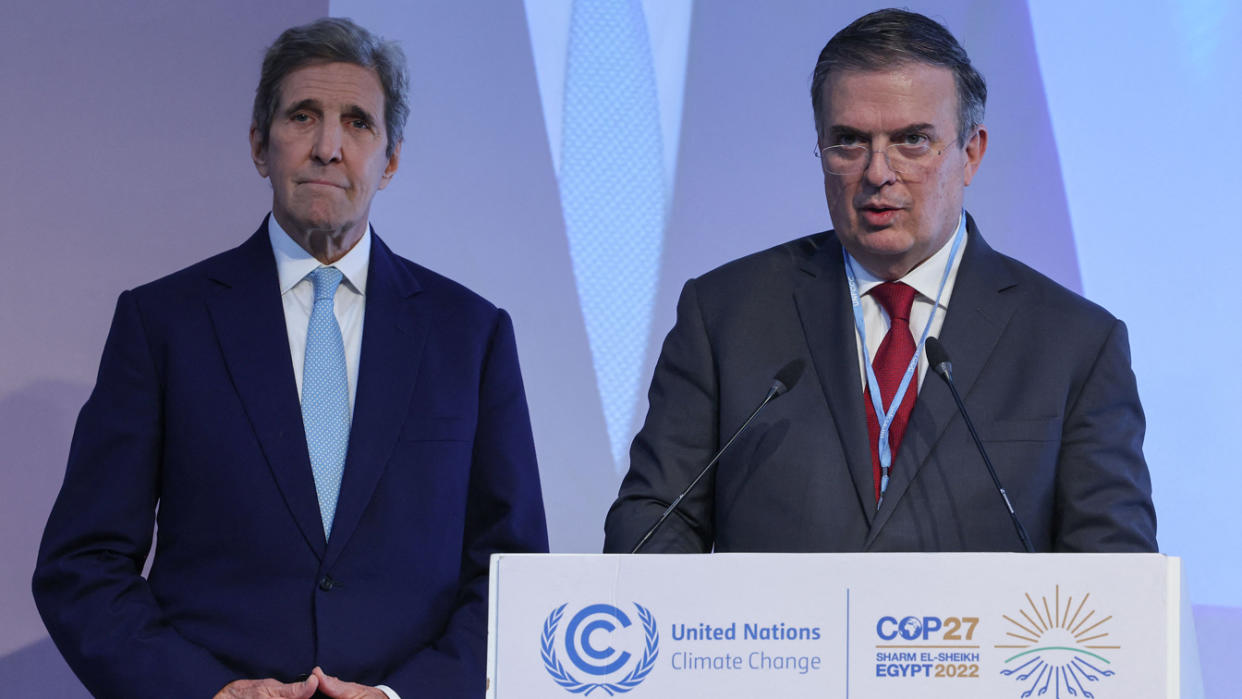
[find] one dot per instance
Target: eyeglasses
(911, 160)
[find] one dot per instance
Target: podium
(849, 626)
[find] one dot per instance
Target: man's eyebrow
(839, 129)
(309, 105)
(353, 111)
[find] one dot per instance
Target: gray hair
(887, 38)
(333, 40)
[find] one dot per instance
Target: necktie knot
(896, 298)
(326, 280)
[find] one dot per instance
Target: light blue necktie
(325, 394)
(612, 194)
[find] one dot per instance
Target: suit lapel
(393, 336)
(249, 320)
(978, 313)
(824, 309)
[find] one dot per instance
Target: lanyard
(886, 421)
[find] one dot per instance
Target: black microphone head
(788, 376)
(937, 358)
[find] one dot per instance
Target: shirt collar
(925, 278)
(293, 263)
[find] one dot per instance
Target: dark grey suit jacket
(1044, 373)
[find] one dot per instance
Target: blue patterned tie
(325, 394)
(612, 195)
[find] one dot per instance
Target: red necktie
(890, 365)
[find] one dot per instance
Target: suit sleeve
(1103, 491)
(678, 438)
(504, 515)
(88, 582)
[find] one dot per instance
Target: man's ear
(258, 150)
(391, 168)
(975, 148)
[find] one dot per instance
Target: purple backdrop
(125, 129)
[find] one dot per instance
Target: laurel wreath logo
(562, 676)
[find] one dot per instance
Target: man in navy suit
(866, 453)
(331, 439)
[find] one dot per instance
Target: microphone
(938, 360)
(784, 380)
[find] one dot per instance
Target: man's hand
(335, 688)
(269, 689)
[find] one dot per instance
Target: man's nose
(879, 172)
(327, 146)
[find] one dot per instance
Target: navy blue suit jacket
(1044, 373)
(194, 424)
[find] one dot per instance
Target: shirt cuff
(388, 692)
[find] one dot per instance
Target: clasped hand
(318, 681)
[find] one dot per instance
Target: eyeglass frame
(817, 152)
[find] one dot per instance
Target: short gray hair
(334, 40)
(887, 38)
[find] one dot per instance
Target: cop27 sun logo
(590, 640)
(1060, 650)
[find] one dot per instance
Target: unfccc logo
(591, 637)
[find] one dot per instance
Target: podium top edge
(905, 555)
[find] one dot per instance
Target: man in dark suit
(864, 454)
(332, 439)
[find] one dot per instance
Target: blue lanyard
(883, 448)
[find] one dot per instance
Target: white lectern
(849, 626)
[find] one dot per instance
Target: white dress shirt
(297, 295)
(925, 279)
